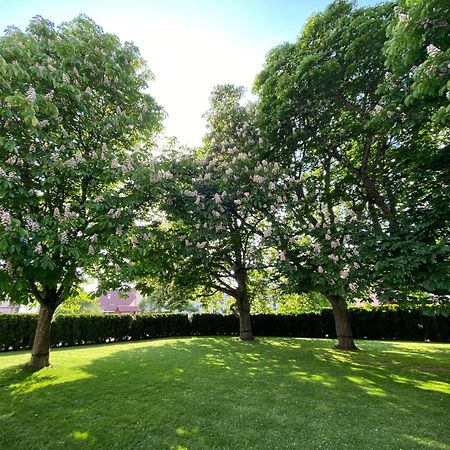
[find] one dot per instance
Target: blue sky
(189, 45)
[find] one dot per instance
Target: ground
(221, 393)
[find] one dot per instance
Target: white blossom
(31, 94)
(432, 50)
(344, 273)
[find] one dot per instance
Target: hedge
(17, 330)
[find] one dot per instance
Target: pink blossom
(5, 218)
(31, 94)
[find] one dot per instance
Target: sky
(189, 45)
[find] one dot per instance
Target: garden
(313, 220)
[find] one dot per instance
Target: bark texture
(342, 323)
(41, 344)
(243, 303)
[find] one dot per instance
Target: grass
(220, 393)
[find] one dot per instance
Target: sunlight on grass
(426, 443)
(216, 393)
(314, 378)
(80, 435)
(368, 386)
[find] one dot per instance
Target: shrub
(17, 330)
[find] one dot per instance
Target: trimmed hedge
(17, 330)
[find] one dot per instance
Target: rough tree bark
(342, 323)
(243, 304)
(41, 345)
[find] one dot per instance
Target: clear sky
(190, 45)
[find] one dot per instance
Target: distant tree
(80, 302)
(73, 115)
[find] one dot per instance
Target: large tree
(214, 231)
(318, 104)
(324, 106)
(73, 114)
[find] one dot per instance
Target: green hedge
(17, 330)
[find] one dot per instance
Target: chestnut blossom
(38, 249)
(267, 233)
(320, 269)
(201, 245)
(317, 247)
(378, 109)
(91, 250)
(5, 218)
(432, 50)
(344, 273)
(334, 244)
(356, 265)
(31, 94)
(353, 286)
(217, 198)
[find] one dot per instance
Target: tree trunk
(243, 304)
(245, 321)
(342, 323)
(41, 344)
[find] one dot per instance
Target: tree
(213, 231)
(326, 112)
(80, 302)
(318, 106)
(74, 115)
(418, 57)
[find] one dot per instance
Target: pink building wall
(115, 303)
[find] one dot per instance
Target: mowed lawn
(221, 393)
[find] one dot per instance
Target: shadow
(223, 393)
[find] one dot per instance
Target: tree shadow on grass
(223, 393)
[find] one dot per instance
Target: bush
(17, 330)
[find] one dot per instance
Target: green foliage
(74, 117)
(418, 54)
(80, 302)
(16, 330)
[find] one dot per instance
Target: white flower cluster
(32, 225)
(31, 94)
(5, 219)
(432, 50)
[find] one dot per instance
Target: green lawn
(221, 393)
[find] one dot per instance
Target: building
(115, 302)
